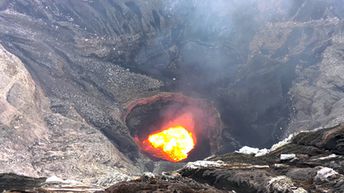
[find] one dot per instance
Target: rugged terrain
(33, 142)
(310, 161)
(68, 70)
(306, 162)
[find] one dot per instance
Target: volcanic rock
(316, 169)
(35, 141)
(160, 184)
(269, 68)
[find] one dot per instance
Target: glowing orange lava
(173, 141)
(176, 142)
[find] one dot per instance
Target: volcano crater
(146, 116)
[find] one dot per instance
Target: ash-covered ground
(68, 70)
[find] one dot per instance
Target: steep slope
(38, 142)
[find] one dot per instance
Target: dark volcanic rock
(165, 40)
(270, 68)
(16, 183)
(311, 161)
(67, 48)
(19, 183)
(314, 166)
(161, 184)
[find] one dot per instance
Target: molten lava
(175, 142)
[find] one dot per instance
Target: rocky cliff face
(35, 141)
(70, 67)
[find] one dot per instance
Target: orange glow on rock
(175, 142)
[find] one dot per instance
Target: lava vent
(174, 127)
